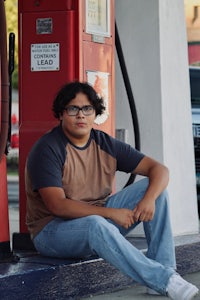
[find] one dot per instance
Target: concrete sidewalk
(138, 292)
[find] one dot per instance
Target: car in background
(194, 73)
(13, 148)
(14, 142)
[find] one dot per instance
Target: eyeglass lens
(73, 110)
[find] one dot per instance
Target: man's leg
(158, 231)
(159, 236)
(65, 238)
(94, 235)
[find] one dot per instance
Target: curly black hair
(69, 92)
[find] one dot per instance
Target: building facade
(154, 40)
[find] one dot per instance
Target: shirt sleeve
(44, 166)
(127, 157)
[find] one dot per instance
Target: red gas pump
(60, 41)
(5, 251)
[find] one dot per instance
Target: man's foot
(180, 289)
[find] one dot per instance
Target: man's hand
(144, 211)
(123, 217)
(158, 175)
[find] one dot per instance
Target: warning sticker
(45, 57)
(44, 26)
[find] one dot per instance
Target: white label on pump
(45, 57)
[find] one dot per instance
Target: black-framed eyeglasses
(73, 110)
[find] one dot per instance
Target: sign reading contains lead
(45, 57)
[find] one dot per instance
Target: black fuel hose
(129, 95)
(4, 98)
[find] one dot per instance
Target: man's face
(77, 127)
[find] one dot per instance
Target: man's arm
(158, 176)
(56, 202)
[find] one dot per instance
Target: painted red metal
(4, 224)
(4, 117)
(44, 23)
(194, 53)
(37, 88)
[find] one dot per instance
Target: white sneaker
(180, 289)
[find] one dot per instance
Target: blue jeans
(95, 235)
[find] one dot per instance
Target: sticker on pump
(99, 81)
(45, 57)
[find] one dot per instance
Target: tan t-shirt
(85, 174)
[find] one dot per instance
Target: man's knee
(100, 226)
(162, 202)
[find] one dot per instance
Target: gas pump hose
(129, 95)
(4, 117)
